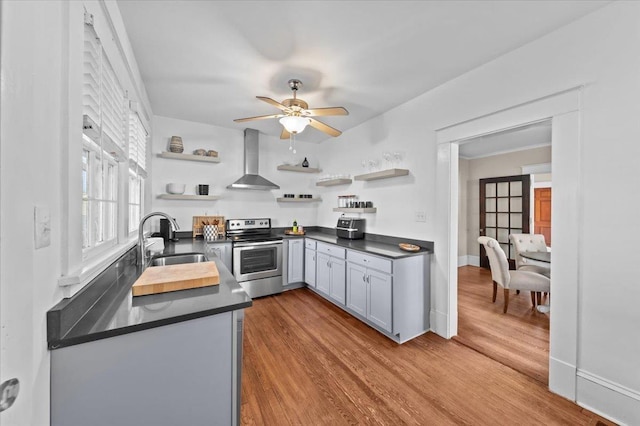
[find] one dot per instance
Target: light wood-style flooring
(518, 339)
(306, 362)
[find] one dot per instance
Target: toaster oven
(350, 228)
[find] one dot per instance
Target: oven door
(252, 261)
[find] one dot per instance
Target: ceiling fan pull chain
(292, 142)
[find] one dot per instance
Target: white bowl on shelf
(175, 188)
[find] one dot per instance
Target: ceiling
(205, 61)
(517, 139)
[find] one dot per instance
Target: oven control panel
(246, 224)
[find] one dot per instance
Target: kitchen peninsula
(156, 359)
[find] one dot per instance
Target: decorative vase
(305, 163)
(176, 144)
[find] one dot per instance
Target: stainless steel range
(257, 256)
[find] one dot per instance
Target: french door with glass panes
(504, 210)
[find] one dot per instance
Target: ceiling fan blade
(285, 134)
(260, 117)
(319, 112)
(274, 103)
(324, 128)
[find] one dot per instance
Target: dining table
(540, 256)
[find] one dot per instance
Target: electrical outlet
(42, 227)
(421, 217)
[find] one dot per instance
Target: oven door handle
(261, 243)
(345, 229)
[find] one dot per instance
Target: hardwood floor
(306, 362)
(518, 339)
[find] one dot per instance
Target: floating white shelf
(298, 200)
(383, 174)
(355, 210)
(300, 169)
(188, 197)
(333, 182)
(189, 157)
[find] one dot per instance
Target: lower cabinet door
(310, 267)
(296, 261)
(338, 280)
(323, 273)
(357, 288)
(380, 299)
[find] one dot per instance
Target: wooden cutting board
(162, 279)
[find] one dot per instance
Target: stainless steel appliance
(350, 228)
(257, 256)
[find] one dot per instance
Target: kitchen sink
(176, 259)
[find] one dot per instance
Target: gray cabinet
(369, 293)
(295, 271)
(222, 250)
(391, 295)
(323, 273)
(357, 289)
(379, 300)
(310, 267)
(183, 373)
(338, 282)
(331, 271)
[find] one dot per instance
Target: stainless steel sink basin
(176, 259)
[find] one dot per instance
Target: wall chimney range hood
(251, 178)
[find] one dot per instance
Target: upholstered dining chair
(530, 242)
(511, 280)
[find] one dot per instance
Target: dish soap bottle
(305, 163)
(295, 226)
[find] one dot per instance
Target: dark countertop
(382, 245)
(115, 311)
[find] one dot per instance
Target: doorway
(500, 203)
(563, 108)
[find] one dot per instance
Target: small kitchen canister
(210, 232)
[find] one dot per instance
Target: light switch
(42, 227)
(421, 217)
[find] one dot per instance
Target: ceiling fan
(296, 114)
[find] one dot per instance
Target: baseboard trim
(469, 260)
(562, 378)
(608, 399)
(439, 322)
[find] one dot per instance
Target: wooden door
(504, 210)
(542, 213)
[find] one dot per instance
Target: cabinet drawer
(374, 262)
(310, 244)
(331, 250)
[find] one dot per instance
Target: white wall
(598, 51)
(30, 164)
(233, 203)
(508, 164)
(40, 139)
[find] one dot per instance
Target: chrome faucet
(141, 241)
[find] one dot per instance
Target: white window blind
(103, 98)
(104, 145)
(137, 167)
(137, 142)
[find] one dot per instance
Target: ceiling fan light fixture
(294, 124)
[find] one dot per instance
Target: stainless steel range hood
(251, 178)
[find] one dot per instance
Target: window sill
(95, 266)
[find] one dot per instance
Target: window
(137, 167)
(103, 145)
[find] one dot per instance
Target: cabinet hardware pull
(364, 278)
